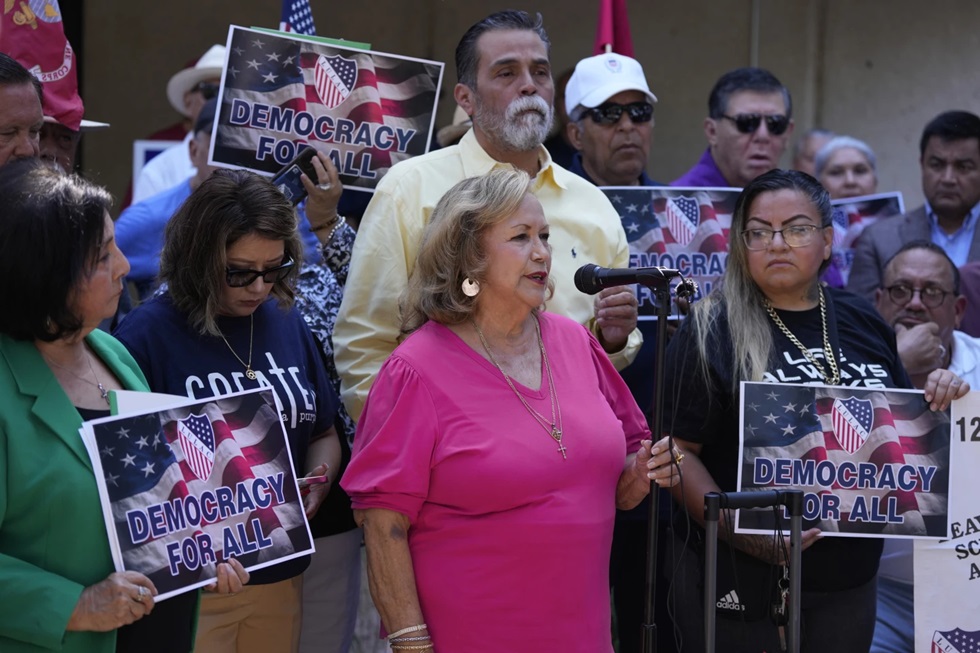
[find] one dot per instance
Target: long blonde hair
(738, 295)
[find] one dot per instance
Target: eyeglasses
(930, 296)
(207, 89)
(748, 123)
(799, 235)
(241, 278)
(610, 113)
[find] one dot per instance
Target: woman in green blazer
(61, 275)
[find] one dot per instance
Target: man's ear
(574, 134)
(711, 131)
(465, 98)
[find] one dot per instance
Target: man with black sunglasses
(187, 90)
(748, 126)
(920, 298)
(610, 108)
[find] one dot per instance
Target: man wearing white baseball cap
(610, 107)
(187, 91)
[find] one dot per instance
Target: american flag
(956, 641)
(143, 463)
(852, 215)
(396, 92)
(682, 228)
(799, 422)
(297, 17)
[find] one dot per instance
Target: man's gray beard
(520, 134)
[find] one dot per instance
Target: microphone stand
(660, 285)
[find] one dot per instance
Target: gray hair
(467, 56)
(840, 142)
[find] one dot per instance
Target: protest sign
(680, 228)
(947, 572)
(279, 93)
(869, 461)
(852, 215)
(189, 486)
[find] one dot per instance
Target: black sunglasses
(610, 113)
(241, 278)
(207, 89)
(748, 123)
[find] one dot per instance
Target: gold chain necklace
(828, 352)
(248, 366)
(554, 427)
(97, 384)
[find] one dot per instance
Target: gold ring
(678, 457)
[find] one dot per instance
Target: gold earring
(470, 288)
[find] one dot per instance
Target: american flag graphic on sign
(852, 419)
(367, 110)
(799, 422)
(196, 439)
(852, 215)
(683, 216)
(296, 17)
(144, 462)
(682, 228)
(956, 641)
(334, 79)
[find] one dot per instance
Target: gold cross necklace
(552, 427)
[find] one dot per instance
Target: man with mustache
(920, 297)
(505, 86)
(750, 120)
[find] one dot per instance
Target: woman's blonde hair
(452, 246)
(738, 295)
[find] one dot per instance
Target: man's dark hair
(950, 126)
(51, 234)
(467, 57)
(935, 249)
(12, 74)
(758, 80)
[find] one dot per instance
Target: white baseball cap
(598, 78)
(209, 66)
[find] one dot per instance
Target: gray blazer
(882, 240)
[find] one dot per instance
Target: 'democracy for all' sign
(869, 461)
(679, 228)
(366, 110)
(195, 484)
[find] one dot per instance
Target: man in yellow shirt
(505, 86)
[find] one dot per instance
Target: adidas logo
(730, 602)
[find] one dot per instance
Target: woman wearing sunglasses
(225, 324)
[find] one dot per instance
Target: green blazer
(53, 540)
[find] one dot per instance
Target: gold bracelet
(423, 647)
(405, 631)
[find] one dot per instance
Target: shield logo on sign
(852, 420)
(334, 78)
(682, 214)
(196, 437)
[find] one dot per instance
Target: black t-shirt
(706, 412)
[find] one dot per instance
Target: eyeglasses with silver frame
(799, 235)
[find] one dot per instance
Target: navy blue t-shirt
(176, 359)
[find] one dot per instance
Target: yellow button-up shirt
(585, 228)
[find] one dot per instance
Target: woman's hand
(324, 194)
(659, 463)
(616, 315)
(942, 387)
(317, 493)
(229, 579)
(119, 600)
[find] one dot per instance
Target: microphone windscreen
(585, 279)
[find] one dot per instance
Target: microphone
(591, 278)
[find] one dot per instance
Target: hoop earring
(470, 288)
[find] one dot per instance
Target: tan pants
(259, 619)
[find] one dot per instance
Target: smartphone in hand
(287, 180)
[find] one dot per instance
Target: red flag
(37, 42)
(613, 29)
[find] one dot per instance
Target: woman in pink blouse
(495, 446)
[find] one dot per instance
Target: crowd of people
(483, 426)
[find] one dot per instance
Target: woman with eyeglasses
(772, 320)
(225, 324)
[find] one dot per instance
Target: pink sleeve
(619, 397)
(396, 436)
